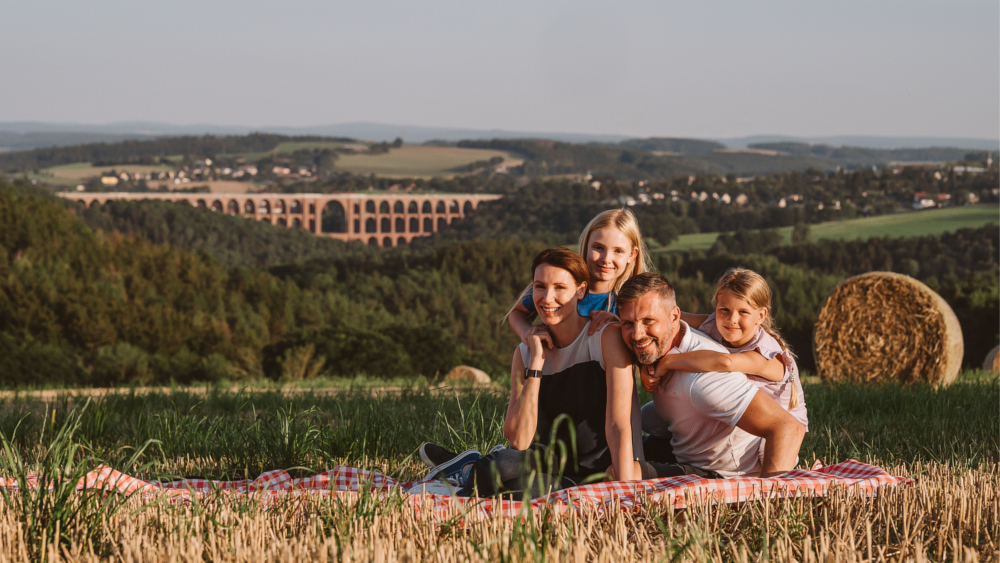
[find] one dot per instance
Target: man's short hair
(641, 284)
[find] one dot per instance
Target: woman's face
(555, 293)
(609, 252)
(736, 319)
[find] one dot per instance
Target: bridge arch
(369, 206)
(427, 207)
(414, 225)
(386, 225)
(397, 207)
(400, 225)
(467, 208)
(295, 207)
(412, 207)
(400, 241)
(216, 205)
(370, 225)
(233, 207)
(453, 208)
(334, 218)
(387, 242)
(372, 241)
(440, 207)
(279, 207)
(383, 207)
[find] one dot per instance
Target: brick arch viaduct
(376, 219)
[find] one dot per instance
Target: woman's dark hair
(565, 259)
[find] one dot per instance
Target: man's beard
(649, 354)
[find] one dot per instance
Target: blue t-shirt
(590, 302)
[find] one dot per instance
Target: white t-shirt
(701, 411)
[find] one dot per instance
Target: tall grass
(50, 509)
(948, 439)
(230, 435)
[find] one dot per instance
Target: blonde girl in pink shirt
(742, 323)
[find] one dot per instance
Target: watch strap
(532, 373)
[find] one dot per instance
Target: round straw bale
(883, 325)
(992, 361)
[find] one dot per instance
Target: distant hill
(868, 141)
(668, 144)
(418, 134)
(864, 156)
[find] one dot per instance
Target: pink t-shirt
(765, 344)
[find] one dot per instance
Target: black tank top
(574, 385)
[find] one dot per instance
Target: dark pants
(518, 474)
(660, 458)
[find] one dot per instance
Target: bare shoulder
(613, 345)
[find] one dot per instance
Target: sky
(658, 68)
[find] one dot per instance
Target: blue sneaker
(456, 466)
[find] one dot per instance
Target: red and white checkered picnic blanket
(858, 477)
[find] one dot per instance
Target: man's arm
(782, 434)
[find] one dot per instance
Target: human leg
(656, 446)
(515, 472)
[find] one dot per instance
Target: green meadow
(908, 224)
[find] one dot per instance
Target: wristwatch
(532, 373)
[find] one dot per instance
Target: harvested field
(944, 516)
(84, 170)
(417, 161)
(950, 512)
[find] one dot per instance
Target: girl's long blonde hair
(624, 220)
(751, 287)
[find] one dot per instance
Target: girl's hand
(536, 346)
(600, 318)
(540, 331)
(651, 376)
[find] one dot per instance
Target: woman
(567, 385)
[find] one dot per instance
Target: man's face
(649, 326)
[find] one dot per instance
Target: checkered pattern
(440, 497)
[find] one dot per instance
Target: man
(715, 421)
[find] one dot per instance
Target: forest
(152, 292)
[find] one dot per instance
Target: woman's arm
(522, 411)
(618, 424)
(693, 320)
(751, 362)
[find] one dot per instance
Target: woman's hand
(536, 345)
(540, 331)
(600, 318)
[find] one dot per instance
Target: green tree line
(171, 293)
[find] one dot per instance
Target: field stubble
(945, 439)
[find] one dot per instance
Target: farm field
(73, 174)
(945, 439)
(214, 186)
(909, 224)
(416, 161)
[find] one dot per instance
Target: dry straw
(883, 325)
(992, 361)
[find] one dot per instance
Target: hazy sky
(705, 69)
